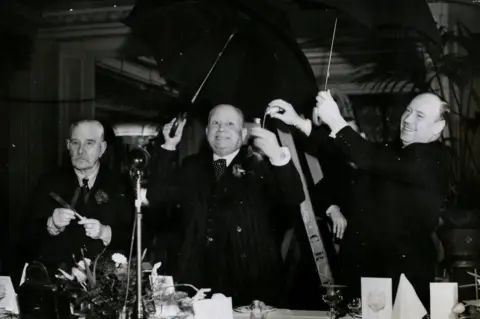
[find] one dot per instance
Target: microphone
(138, 159)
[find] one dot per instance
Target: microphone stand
(138, 213)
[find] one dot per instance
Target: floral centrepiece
(100, 288)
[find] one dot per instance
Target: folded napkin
(407, 305)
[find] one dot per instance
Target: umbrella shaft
(213, 67)
(331, 52)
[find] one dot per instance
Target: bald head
(223, 107)
(86, 144)
(423, 120)
(225, 131)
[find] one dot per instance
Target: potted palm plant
(449, 70)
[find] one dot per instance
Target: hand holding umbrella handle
(178, 120)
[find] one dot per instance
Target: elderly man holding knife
(99, 211)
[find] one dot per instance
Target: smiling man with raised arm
(405, 186)
(231, 225)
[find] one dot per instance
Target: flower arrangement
(101, 288)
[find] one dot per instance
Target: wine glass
(332, 298)
(377, 301)
(355, 306)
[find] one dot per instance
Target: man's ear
(244, 134)
(438, 127)
(67, 144)
(103, 147)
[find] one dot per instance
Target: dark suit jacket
(337, 183)
(230, 230)
(116, 212)
(397, 208)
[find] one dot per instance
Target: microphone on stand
(138, 160)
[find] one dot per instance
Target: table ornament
(257, 309)
(354, 308)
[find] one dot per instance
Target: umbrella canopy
(242, 50)
(411, 15)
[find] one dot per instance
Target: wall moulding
(85, 22)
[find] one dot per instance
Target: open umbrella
(393, 19)
(410, 15)
(230, 51)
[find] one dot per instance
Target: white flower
(67, 276)
(458, 308)
(81, 264)
(119, 259)
(79, 275)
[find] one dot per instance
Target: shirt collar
(229, 158)
(91, 177)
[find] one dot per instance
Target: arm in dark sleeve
(318, 140)
(123, 215)
(416, 164)
(166, 178)
(283, 183)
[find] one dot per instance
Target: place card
(443, 297)
(219, 307)
(9, 300)
(376, 298)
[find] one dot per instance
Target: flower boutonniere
(238, 170)
(101, 197)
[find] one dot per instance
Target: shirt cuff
(284, 158)
(168, 147)
(305, 125)
(337, 127)
(106, 235)
(52, 229)
(330, 209)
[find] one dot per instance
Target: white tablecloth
(288, 314)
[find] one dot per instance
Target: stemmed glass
(332, 298)
(377, 301)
